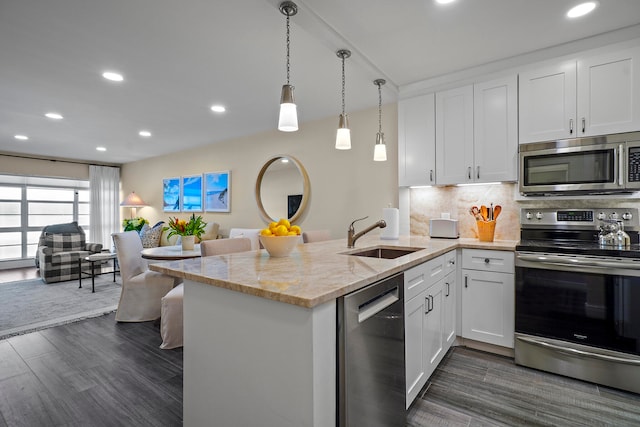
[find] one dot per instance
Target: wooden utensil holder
(486, 230)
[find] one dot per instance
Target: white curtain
(104, 184)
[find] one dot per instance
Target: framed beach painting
(217, 191)
(192, 193)
(171, 194)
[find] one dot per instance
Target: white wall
(345, 185)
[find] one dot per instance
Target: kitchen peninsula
(260, 332)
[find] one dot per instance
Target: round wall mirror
(282, 189)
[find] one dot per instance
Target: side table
(96, 261)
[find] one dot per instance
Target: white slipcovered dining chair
(172, 318)
(142, 289)
(315, 236)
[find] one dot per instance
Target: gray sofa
(59, 248)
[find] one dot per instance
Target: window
(27, 204)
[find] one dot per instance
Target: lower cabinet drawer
(488, 260)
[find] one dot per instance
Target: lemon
(273, 225)
(284, 222)
(295, 229)
(292, 233)
(281, 230)
(266, 232)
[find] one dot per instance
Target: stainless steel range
(578, 294)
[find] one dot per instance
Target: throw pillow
(64, 242)
(150, 236)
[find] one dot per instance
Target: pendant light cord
(288, 47)
(379, 108)
(343, 84)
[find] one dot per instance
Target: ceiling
(180, 57)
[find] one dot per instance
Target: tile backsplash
(431, 202)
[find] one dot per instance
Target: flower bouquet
(188, 230)
(136, 224)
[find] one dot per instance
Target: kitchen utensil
(484, 212)
(491, 212)
(496, 211)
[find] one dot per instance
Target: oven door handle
(580, 353)
(575, 262)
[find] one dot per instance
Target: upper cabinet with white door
(476, 132)
(593, 95)
(417, 141)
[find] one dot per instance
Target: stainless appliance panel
(371, 361)
(594, 165)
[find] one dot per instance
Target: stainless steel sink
(385, 252)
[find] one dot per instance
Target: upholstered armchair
(59, 248)
(142, 289)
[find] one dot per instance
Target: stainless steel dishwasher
(371, 370)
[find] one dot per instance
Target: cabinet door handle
(584, 125)
(426, 304)
(431, 175)
(430, 303)
(477, 172)
(447, 290)
(466, 284)
(469, 172)
(570, 126)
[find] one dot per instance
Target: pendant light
(380, 149)
(343, 136)
(288, 121)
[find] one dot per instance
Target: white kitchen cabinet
(593, 95)
(449, 326)
(476, 132)
(495, 130)
(488, 292)
(454, 136)
(416, 141)
(429, 296)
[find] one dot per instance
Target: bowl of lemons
(280, 238)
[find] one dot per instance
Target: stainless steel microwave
(596, 165)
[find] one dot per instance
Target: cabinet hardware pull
(466, 285)
(487, 261)
(478, 172)
(426, 304)
(431, 175)
(447, 290)
(469, 172)
(430, 303)
(584, 124)
(570, 126)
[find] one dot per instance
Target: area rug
(30, 305)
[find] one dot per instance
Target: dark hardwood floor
(15, 274)
(94, 372)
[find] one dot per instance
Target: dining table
(171, 253)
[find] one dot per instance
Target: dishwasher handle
(378, 303)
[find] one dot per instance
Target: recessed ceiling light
(101, 149)
(218, 109)
(445, 1)
(21, 137)
(54, 116)
(144, 133)
(582, 9)
(113, 76)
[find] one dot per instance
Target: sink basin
(385, 252)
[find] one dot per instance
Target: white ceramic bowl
(280, 246)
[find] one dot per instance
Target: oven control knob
(539, 215)
(613, 215)
(602, 216)
(529, 215)
(627, 216)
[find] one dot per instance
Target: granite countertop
(314, 273)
